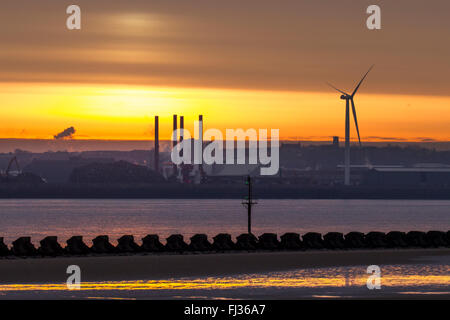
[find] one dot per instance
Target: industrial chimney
(200, 134)
(181, 133)
(181, 128)
(156, 149)
(200, 137)
(174, 140)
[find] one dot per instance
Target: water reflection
(39, 218)
(404, 276)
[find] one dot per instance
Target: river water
(65, 218)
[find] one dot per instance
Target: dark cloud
(426, 139)
(264, 44)
(385, 138)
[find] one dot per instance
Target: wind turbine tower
(349, 100)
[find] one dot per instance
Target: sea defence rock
(199, 242)
(416, 239)
(23, 247)
(437, 239)
(151, 243)
(313, 240)
(75, 245)
(268, 241)
(101, 244)
(291, 241)
(354, 240)
(176, 243)
(375, 239)
(126, 244)
(50, 247)
(223, 242)
(396, 239)
(246, 241)
(4, 251)
(334, 240)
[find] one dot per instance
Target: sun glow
(126, 112)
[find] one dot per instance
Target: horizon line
(341, 139)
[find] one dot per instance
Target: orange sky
(241, 64)
(115, 112)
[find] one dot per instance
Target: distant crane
(8, 169)
(249, 202)
(7, 173)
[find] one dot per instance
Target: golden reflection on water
(328, 277)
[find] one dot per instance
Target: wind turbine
(349, 99)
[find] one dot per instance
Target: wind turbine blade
(356, 120)
(337, 89)
(357, 87)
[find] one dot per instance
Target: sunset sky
(242, 64)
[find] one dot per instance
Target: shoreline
(166, 266)
(218, 191)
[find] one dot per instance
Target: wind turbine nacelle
(344, 97)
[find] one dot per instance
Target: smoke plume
(67, 133)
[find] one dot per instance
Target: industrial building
(408, 177)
